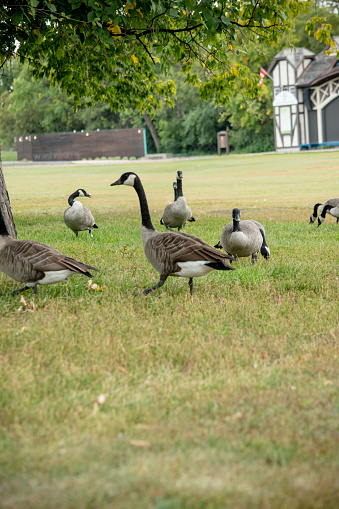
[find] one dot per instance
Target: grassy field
(9, 155)
(227, 400)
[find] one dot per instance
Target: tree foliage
(108, 50)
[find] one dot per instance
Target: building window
(292, 90)
(276, 91)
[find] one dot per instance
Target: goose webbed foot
(169, 228)
(190, 282)
(218, 246)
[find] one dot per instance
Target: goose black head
(236, 214)
(320, 220)
(126, 179)
(180, 175)
(82, 192)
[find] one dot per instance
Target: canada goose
(34, 263)
(177, 213)
(319, 207)
(332, 207)
(244, 238)
(175, 188)
(190, 217)
(173, 253)
(77, 217)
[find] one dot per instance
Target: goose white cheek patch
(130, 180)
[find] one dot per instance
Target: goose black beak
(117, 183)
(88, 195)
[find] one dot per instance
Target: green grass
(228, 400)
(9, 155)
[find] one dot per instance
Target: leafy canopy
(109, 50)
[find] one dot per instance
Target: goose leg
(254, 258)
(34, 288)
(190, 282)
(154, 287)
(76, 234)
(90, 232)
(337, 220)
(169, 228)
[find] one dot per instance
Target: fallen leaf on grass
(26, 307)
(140, 443)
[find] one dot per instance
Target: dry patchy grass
(226, 400)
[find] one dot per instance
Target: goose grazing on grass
(77, 217)
(173, 253)
(332, 207)
(176, 214)
(319, 207)
(244, 238)
(34, 263)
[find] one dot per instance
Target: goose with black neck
(173, 253)
(77, 217)
(244, 238)
(176, 214)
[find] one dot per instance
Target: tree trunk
(5, 205)
(153, 131)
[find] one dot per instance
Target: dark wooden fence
(82, 145)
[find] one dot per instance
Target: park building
(305, 99)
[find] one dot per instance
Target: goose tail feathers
(221, 265)
(78, 267)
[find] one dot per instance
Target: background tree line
(28, 106)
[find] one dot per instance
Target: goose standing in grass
(332, 207)
(77, 217)
(175, 188)
(173, 253)
(319, 207)
(34, 263)
(176, 214)
(244, 238)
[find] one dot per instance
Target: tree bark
(153, 131)
(5, 205)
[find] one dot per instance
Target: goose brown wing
(183, 247)
(43, 258)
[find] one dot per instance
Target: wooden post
(5, 205)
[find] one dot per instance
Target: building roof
(294, 56)
(319, 69)
(322, 68)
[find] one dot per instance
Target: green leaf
(91, 16)
(17, 17)
(213, 23)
